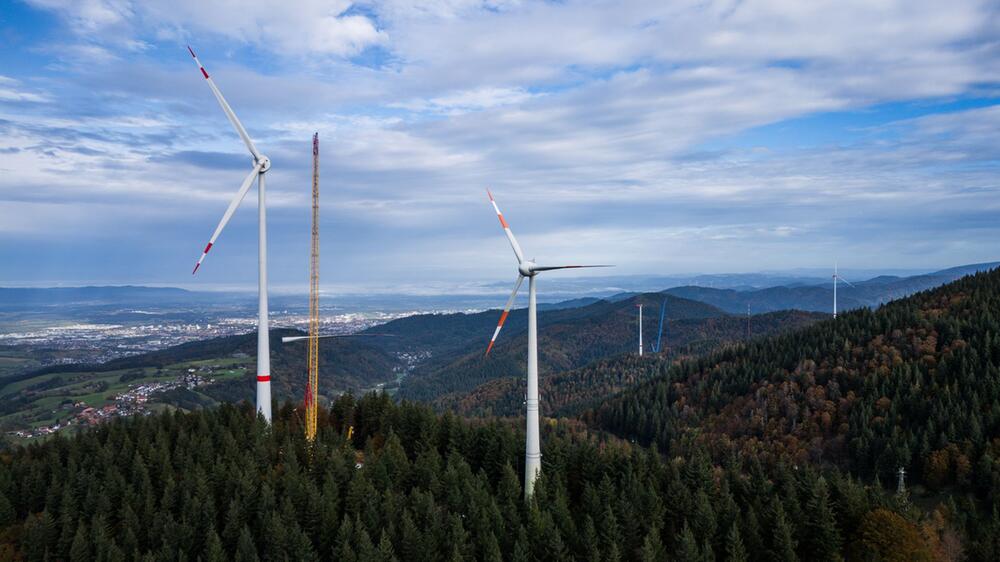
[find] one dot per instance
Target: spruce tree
(81, 550)
(386, 553)
(783, 544)
(687, 546)
(735, 551)
(213, 548)
(246, 550)
(652, 547)
(822, 536)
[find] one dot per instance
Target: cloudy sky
(663, 136)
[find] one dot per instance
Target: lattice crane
(312, 387)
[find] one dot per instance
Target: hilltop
(566, 393)
(568, 339)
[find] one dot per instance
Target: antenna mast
(312, 387)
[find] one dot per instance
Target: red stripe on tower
(263, 378)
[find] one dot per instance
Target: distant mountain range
(803, 290)
(819, 298)
(18, 298)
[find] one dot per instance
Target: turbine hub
(265, 163)
(526, 268)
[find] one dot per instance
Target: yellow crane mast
(312, 387)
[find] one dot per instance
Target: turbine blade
(228, 110)
(288, 339)
(551, 267)
(503, 316)
(506, 230)
(842, 280)
(229, 213)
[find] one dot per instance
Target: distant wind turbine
(836, 278)
(639, 306)
(659, 333)
(261, 164)
(527, 268)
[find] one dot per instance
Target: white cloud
(454, 103)
(89, 15)
(302, 27)
(11, 90)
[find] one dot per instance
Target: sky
(661, 137)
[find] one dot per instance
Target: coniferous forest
(215, 485)
(781, 449)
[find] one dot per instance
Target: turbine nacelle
(527, 268)
(264, 162)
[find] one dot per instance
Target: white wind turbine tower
(527, 268)
(261, 164)
(640, 329)
(837, 278)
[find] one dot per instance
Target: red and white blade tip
(503, 222)
(195, 57)
(503, 318)
(203, 254)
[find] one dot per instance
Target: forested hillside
(914, 384)
(568, 339)
(566, 393)
(448, 336)
(216, 485)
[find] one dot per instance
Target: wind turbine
(639, 306)
(836, 278)
(527, 268)
(261, 164)
(659, 333)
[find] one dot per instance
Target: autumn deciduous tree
(887, 536)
